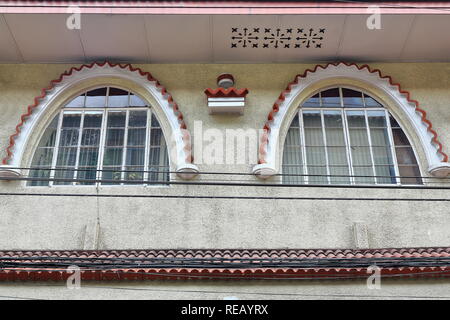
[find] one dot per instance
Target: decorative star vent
(277, 38)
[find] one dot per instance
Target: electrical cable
(230, 183)
(71, 169)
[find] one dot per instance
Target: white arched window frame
(363, 78)
(78, 79)
(83, 143)
(347, 138)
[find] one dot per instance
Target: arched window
(103, 134)
(344, 136)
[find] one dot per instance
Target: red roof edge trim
(433, 260)
(281, 98)
(72, 70)
(37, 274)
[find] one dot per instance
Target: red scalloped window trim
(68, 73)
(282, 97)
(228, 93)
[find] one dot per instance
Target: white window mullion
(324, 137)
(370, 146)
(125, 143)
(391, 142)
(101, 147)
(348, 146)
(77, 159)
(303, 146)
(56, 152)
(147, 146)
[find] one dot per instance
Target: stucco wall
(37, 222)
(227, 290)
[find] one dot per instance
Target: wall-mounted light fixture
(226, 99)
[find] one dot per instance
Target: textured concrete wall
(35, 222)
(71, 222)
(220, 290)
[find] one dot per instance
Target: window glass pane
(295, 122)
(382, 155)
(137, 119)
(159, 164)
(293, 137)
(69, 137)
(116, 119)
(380, 137)
(385, 174)
(361, 156)
(66, 175)
(136, 137)
(332, 119)
(293, 174)
(42, 157)
(71, 120)
(66, 157)
(67, 151)
(66, 160)
(339, 175)
(337, 155)
(111, 173)
(314, 101)
(112, 157)
(335, 137)
(371, 102)
(358, 137)
(292, 155)
(155, 136)
(115, 137)
(312, 119)
(135, 101)
(409, 174)
(315, 156)
(331, 98)
(135, 156)
(88, 157)
(394, 123)
(117, 98)
(77, 102)
(48, 139)
(87, 165)
(86, 173)
(317, 175)
(91, 137)
(377, 119)
(313, 137)
(96, 98)
(92, 120)
(356, 119)
(155, 122)
(400, 138)
(363, 175)
(134, 173)
(352, 98)
(39, 174)
(405, 155)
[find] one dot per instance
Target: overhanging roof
(222, 32)
(237, 264)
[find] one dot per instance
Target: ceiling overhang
(222, 32)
